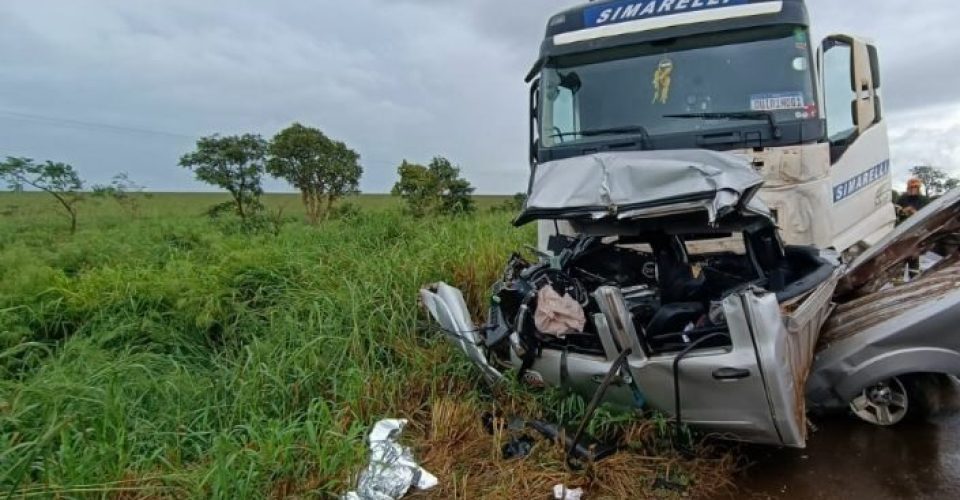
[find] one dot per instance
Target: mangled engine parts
(599, 299)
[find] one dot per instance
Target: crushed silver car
(687, 273)
(677, 269)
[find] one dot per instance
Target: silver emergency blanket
(642, 184)
(392, 469)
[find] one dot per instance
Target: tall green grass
(167, 356)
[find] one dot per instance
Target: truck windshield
(754, 78)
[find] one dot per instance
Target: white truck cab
(738, 76)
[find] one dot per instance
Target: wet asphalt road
(851, 460)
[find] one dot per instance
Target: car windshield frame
(564, 78)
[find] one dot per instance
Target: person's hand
(909, 211)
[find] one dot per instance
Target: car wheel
(885, 403)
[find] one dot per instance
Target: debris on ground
(584, 447)
(392, 469)
(561, 492)
(466, 452)
(517, 447)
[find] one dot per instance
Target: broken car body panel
(448, 308)
(641, 184)
(883, 329)
(786, 342)
(933, 224)
(906, 329)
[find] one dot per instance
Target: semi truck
(717, 236)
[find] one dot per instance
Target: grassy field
(170, 355)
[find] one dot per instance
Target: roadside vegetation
(171, 356)
(156, 351)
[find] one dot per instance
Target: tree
(951, 184)
(417, 187)
(933, 179)
(124, 191)
(434, 189)
(56, 179)
(324, 170)
(234, 163)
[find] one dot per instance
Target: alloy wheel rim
(883, 404)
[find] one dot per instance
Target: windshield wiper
(633, 129)
(769, 116)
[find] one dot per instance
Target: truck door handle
(731, 374)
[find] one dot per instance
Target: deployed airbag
(556, 315)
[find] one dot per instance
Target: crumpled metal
(556, 315)
(392, 469)
(643, 185)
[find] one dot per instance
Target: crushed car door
(719, 391)
(785, 338)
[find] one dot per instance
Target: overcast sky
(128, 85)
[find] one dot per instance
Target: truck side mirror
(534, 136)
(863, 86)
(875, 72)
(850, 78)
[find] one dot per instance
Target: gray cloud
(917, 43)
(926, 136)
(395, 79)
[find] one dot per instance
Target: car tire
(892, 401)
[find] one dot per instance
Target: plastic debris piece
(561, 492)
(392, 469)
(533, 380)
(558, 315)
(517, 447)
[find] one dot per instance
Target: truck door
(859, 146)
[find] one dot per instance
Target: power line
(90, 125)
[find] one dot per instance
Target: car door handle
(731, 374)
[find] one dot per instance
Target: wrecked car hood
(639, 185)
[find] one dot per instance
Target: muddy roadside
(848, 459)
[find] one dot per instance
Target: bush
(514, 204)
(436, 189)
